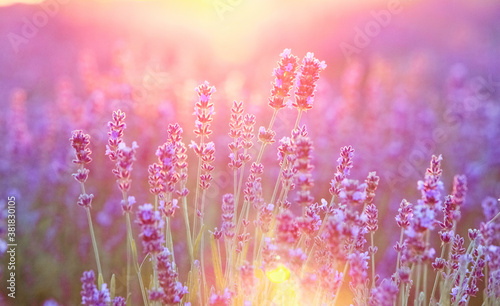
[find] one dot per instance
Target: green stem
(198, 179)
(197, 194)
(94, 243)
(341, 282)
(155, 275)
(438, 273)
(417, 288)
(298, 120)
(240, 184)
(136, 264)
(373, 261)
(462, 274)
(426, 266)
(276, 186)
(399, 253)
(235, 191)
(92, 235)
(494, 218)
(202, 245)
(262, 147)
(129, 259)
(188, 230)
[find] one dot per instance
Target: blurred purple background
(405, 80)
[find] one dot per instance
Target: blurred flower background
(405, 80)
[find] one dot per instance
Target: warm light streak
(278, 275)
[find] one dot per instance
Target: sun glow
(278, 275)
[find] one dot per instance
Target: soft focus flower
(170, 291)
(116, 128)
(90, 294)
(150, 222)
(204, 109)
(307, 77)
(343, 169)
(284, 78)
(228, 215)
(383, 294)
(223, 299)
(358, 268)
(80, 142)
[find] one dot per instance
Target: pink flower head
(171, 291)
(284, 78)
(265, 217)
(125, 157)
(228, 215)
(80, 142)
(266, 136)
(307, 78)
(90, 294)
(352, 192)
(287, 230)
(405, 214)
(85, 200)
(223, 299)
(343, 169)
(116, 127)
(431, 186)
(150, 223)
(204, 109)
(359, 267)
(371, 185)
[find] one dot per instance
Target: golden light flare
(10, 2)
(278, 275)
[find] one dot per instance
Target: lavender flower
(307, 78)
(204, 109)
(311, 221)
(265, 217)
(352, 192)
(459, 192)
(343, 169)
(228, 215)
(287, 230)
(266, 136)
(80, 142)
(117, 126)
(150, 222)
(302, 167)
(383, 294)
(90, 294)
(405, 214)
(431, 186)
(285, 76)
(125, 157)
(119, 301)
(170, 291)
(223, 299)
(358, 268)
(235, 132)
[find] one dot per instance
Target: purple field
(232, 152)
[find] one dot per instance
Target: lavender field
(232, 152)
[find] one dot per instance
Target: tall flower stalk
(124, 157)
(304, 257)
(80, 142)
(203, 110)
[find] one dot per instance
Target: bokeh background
(405, 80)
